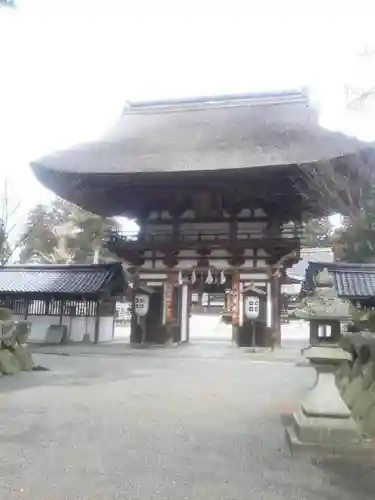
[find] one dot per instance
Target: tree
(65, 233)
(317, 233)
(88, 231)
(352, 194)
(4, 244)
(355, 240)
(43, 243)
(10, 239)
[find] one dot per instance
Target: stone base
(24, 358)
(324, 424)
(363, 449)
(8, 363)
(324, 430)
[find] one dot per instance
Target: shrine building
(219, 186)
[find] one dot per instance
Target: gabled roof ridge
(60, 267)
(345, 266)
(217, 101)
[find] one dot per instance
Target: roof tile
(350, 280)
(51, 279)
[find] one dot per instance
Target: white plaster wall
(80, 326)
(106, 329)
(77, 327)
(86, 325)
(39, 325)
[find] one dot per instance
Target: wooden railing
(292, 232)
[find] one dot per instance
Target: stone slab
(326, 354)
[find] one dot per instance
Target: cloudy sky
(67, 67)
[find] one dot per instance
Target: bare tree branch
(10, 243)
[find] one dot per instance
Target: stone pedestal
(324, 422)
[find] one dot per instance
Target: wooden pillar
(235, 306)
(171, 309)
(168, 301)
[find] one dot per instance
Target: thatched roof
(211, 136)
(236, 132)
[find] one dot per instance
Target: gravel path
(199, 422)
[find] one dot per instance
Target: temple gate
(219, 186)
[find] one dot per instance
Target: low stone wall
(356, 379)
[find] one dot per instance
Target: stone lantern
(323, 421)
(324, 311)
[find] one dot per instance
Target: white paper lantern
(251, 307)
(141, 304)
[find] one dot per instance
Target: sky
(67, 67)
